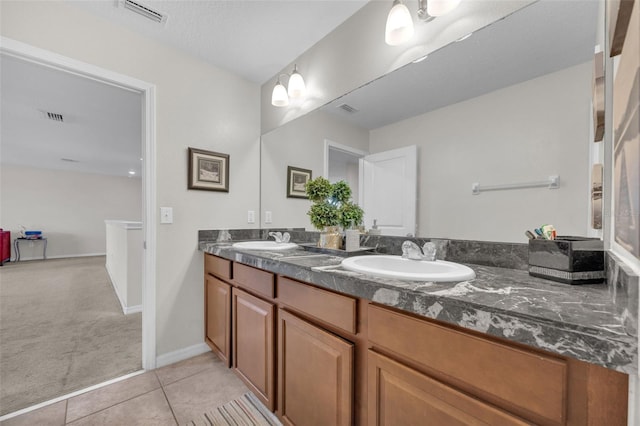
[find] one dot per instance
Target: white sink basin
(263, 245)
(397, 267)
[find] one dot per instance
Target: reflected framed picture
(596, 196)
(208, 170)
(297, 181)
(598, 97)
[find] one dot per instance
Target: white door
(388, 190)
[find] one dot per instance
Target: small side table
(16, 246)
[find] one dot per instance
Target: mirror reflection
(510, 104)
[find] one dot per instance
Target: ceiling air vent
(348, 108)
(53, 116)
(143, 10)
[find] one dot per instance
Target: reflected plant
(331, 204)
(318, 189)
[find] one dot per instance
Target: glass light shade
(279, 96)
(441, 7)
(297, 88)
(399, 25)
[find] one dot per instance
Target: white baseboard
(181, 354)
(132, 309)
(65, 256)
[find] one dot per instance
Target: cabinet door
(399, 395)
(253, 344)
(315, 385)
(218, 317)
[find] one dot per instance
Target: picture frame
(598, 97)
(619, 15)
(626, 144)
(208, 170)
(297, 179)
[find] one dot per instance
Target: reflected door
(388, 190)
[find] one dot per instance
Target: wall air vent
(143, 10)
(348, 108)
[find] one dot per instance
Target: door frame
(50, 59)
(335, 146)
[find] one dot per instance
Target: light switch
(267, 217)
(251, 216)
(166, 214)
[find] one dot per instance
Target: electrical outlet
(166, 214)
(267, 217)
(251, 216)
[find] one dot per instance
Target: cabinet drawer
(331, 308)
(529, 384)
(217, 266)
(399, 395)
(259, 281)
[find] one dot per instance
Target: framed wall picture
(626, 142)
(208, 171)
(296, 182)
(596, 196)
(598, 97)
(619, 12)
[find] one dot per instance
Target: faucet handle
(411, 250)
(277, 236)
(286, 237)
(429, 250)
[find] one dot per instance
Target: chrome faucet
(280, 237)
(411, 250)
(223, 236)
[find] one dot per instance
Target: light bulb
(399, 25)
(297, 88)
(279, 96)
(441, 7)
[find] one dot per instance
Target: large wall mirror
(510, 104)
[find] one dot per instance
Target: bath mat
(244, 411)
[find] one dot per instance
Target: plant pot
(330, 238)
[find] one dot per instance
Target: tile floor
(171, 395)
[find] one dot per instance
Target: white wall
(68, 207)
(522, 133)
(300, 143)
(124, 262)
(198, 105)
(355, 52)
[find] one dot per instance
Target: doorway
(342, 162)
(21, 51)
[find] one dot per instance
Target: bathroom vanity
(322, 345)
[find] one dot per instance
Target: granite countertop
(582, 322)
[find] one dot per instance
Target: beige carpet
(61, 329)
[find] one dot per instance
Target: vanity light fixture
(297, 89)
(399, 27)
(441, 7)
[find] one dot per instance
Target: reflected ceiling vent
(53, 116)
(69, 160)
(143, 10)
(348, 108)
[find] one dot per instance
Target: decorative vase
(330, 238)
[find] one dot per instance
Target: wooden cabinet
(326, 358)
(399, 395)
(218, 317)
(253, 344)
(315, 383)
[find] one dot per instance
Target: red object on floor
(5, 246)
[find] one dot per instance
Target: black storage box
(571, 260)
